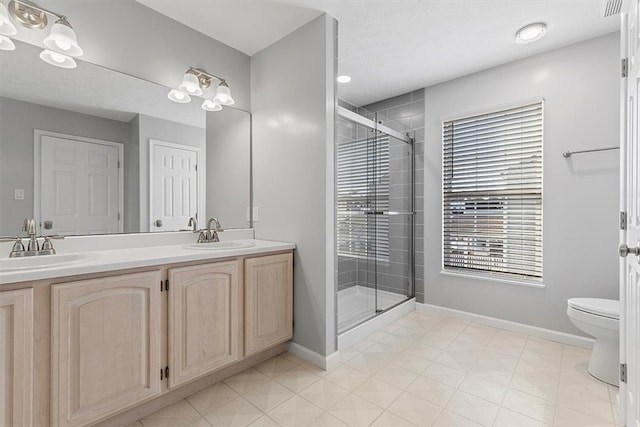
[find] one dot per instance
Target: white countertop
(120, 259)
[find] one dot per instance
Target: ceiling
(390, 47)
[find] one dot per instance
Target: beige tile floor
(424, 370)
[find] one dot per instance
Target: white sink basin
(220, 246)
(40, 261)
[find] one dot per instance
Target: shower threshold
(357, 304)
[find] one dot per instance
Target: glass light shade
(6, 43)
(63, 39)
(178, 96)
(531, 33)
(210, 105)
(223, 95)
(57, 59)
(190, 84)
(6, 26)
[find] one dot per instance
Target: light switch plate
(18, 194)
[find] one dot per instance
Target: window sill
(487, 278)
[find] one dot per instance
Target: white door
(79, 186)
(630, 203)
(173, 186)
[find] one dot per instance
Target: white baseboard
(362, 331)
(324, 362)
(535, 331)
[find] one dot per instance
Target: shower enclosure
(374, 218)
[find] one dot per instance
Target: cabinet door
(105, 346)
(205, 311)
(16, 357)
(268, 301)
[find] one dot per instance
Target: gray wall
(131, 38)
(292, 84)
(18, 120)
(165, 131)
(580, 87)
(132, 178)
(228, 166)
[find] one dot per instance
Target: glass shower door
(356, 299)
(374, 193)
(394, 270)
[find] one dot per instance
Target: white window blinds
(363, 198)
(492, 193)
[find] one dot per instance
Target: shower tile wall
(404, 113)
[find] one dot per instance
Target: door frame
(37, 157)
(200, 178)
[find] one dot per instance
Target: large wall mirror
(95, 151)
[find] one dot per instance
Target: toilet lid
(601, 307)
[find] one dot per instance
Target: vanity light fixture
(190, 84)
(63, 39)
(530, 33)
(179, 96)
(193, 83)
(61, 45)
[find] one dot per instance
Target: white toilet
(599, 318)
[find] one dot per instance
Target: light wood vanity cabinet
(106, 336)
(205, 317)
(16, 357)
(103, 344)
(268, 301)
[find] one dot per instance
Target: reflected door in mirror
(79, 186)
(174, 185)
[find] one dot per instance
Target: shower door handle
(390, 213)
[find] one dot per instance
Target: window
(362, 191)
(492, 193)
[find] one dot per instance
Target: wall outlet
(18, 194)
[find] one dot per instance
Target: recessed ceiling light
(344, 79)
(531, 33)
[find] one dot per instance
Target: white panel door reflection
(174, 186)
(79, 187)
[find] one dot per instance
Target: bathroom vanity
(132, 330)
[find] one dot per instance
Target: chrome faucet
(33, 247)
(29, 226)
(193, 224)
(212, 235)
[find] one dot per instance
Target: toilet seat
(597, 307)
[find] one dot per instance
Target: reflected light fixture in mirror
(178, 96)
(6, 43)
(60, 45)
(210, 105)
(193, 83)
(6, 26)
(57, 59)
